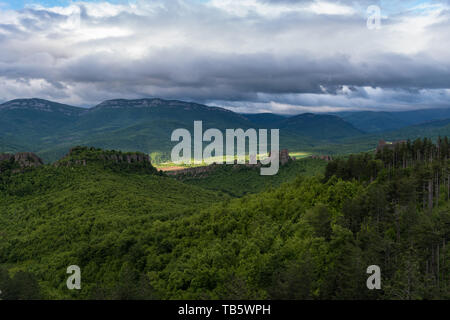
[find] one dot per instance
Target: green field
(300, 154)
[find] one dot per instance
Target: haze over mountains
(370, 121)
(50, 129)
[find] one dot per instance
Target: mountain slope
(431, 129)
(33, 120)
(145, 124)
(52, 217)
(369, 121)
(243, 180)
(121, 113)
(372, 122)
(265, 120)
(320, 127)
(10, 145)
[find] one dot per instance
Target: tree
(319, 218)
(23, 286)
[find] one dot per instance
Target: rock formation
(326, 157)
(284, 156)
(22, 160)
(83, 155)
(383, 144)
(193, 172)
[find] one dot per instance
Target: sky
(281, 56)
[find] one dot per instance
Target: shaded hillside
(372, 122)
(265, 120)
(35, 120)
(320, 127)
(52, 217)
(10, 145)
(243, 180)
(432, 129)
(123, 112)
(369, 121)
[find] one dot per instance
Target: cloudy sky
(285, 56)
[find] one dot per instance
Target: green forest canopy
(137, 234)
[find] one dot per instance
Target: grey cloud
(207, 55)
(258, 72)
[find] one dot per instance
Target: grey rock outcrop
(75, 158)
(23, 160)
(326, 158)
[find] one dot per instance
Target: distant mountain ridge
(320, 127)
(41, 105)
(154, 102)
(381, 121)
(270, 120)
(50, 129)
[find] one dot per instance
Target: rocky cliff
(83, 156)
(19, 161)
(326, 158)
(41, 105)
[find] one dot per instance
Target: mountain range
(372, 122)
(50, 129)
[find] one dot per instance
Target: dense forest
(238, 181)
(137, 234)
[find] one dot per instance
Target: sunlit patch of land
(300, 154)
(170, 168)
(169, 165)
(173, 166)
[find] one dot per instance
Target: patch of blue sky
(393, 7)
(20, 4)
(388, 7)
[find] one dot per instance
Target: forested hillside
(139, 235)
(382, 121)
(241, 180)
(90, 215)
(50, 129)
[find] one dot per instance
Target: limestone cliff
(83, 156)
(19, 161)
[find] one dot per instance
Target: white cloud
(244, 8)
(322, 7)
